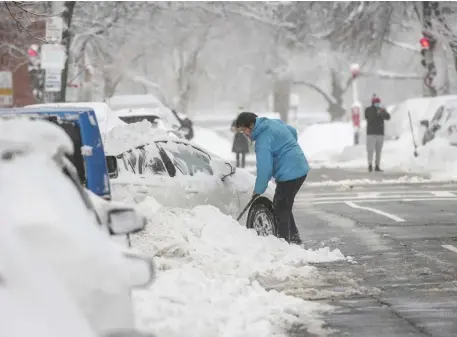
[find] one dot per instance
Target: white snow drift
(331, 145)
(207, 280)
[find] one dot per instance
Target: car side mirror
(425, 123)
(229, 170)
(142, 268)
(123, 221)
(111, 162)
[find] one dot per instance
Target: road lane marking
(329, 202)
(374, 210)
(450, 247)
(442, 193)
(366, 197)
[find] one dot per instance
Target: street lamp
(356, 106)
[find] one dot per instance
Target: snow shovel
(246, 208)
(412, 133)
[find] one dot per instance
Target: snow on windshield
(210, 272)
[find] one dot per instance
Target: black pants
(243, 159)
(283, 202)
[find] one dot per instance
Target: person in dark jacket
(240, 146)
(278, 155)
(375, 116)
(185, 123)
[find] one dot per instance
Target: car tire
(262, 220)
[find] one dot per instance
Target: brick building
(14, 43)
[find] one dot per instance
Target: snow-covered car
(153, 116)
(52, 214)
(33, 301)
(443, 124)
(177, 173)
(149, 102)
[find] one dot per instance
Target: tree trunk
(67, 16)
(281, 97)
(335, 108)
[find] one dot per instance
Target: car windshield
(137, 119)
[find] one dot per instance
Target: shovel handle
(246, 208)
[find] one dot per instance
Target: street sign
(52, 80)
(54, 29)
(53, 56)
(6, 88)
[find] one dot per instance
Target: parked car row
(59, 163)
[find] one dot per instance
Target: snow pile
(208, 271)
(324, 142)
(330, 145)
(209, 140)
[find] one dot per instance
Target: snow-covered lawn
(208, 267)
(331, 145)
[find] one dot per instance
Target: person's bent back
(277, 152)
(278, 155)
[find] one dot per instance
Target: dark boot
(377, 169)
(370, 168)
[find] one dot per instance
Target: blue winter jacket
(277, 152)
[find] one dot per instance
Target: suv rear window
(73, 130)
(137, 119)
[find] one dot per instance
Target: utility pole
(428, 44)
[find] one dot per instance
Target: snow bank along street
(211, 272)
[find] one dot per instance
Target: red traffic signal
(33, 50)
(425, 43)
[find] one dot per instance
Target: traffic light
(425, 43)
(36, 74)
(425, 46)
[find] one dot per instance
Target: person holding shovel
(278, 155)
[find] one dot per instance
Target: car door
(194, 172)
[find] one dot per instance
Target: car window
(73, 130)
(153, 161)
(132, 159)
(187, 159)
(438, 114)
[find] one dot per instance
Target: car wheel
(262, 220)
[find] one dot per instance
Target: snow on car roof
(26, 135)
(137, 112)
(127, 101)
(125, 137)
(105, 117)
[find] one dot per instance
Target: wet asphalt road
(403, 238)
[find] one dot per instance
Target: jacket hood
(261, 124)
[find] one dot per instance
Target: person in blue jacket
(278, 155)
